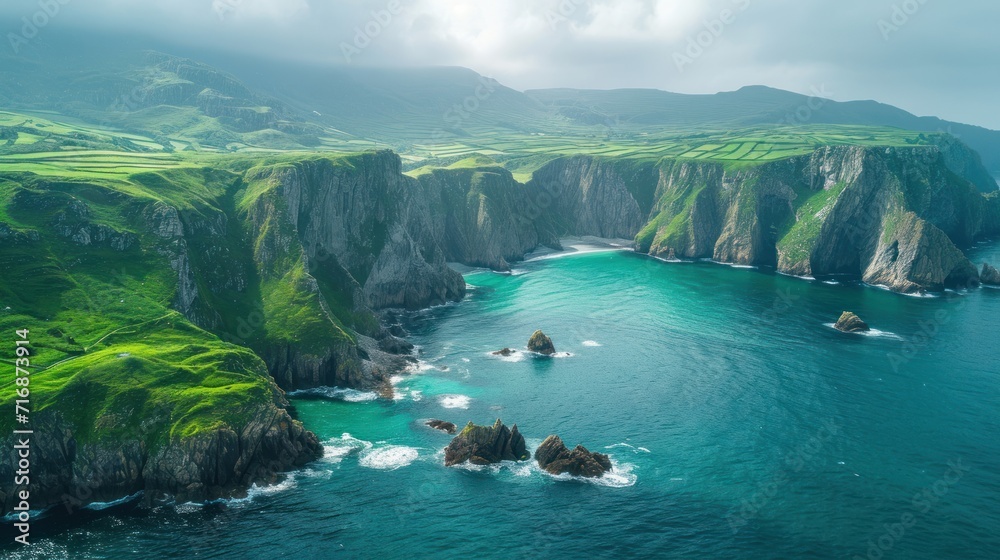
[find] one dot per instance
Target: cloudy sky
(930, 57)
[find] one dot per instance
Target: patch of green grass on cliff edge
(798, 242)
(166, 380)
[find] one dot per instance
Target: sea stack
(851, 323)
(990, 275)
(485, 445)
(553, 456)
(541, 344)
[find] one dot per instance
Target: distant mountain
(225, 101)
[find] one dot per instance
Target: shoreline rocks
(555, 458)
(486, 445)
(541, 344)
(851, 323)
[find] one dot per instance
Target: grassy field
(55, 145)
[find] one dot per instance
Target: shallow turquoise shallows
(741, 425)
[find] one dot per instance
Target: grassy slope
(107, 349)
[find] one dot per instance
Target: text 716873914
(22, 435)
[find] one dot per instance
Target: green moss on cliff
(160, 380)
(797, 242)
(671, 227)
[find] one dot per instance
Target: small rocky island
(990, 275)
(447, 427)
(851, 323)
(553, 456)
(506, 353)
(541, 344)
(486, 445)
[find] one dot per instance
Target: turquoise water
(740, 424)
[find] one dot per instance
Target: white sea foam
(914, 295)
(874, 333)
(455, 401)
(100, 506)
(388, 458)
(580, 250)
(591, 343)
(336, 393)
(799, 276)
(317, 473)
(628, 446)
(336, 449)
(620, 476)
(671, 261)
(256, 491)
(516, 356)
(420, 367)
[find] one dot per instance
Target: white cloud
(940, 61)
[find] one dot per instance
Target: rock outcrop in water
(505, 352)
(541, 344)
(446, 427)
(851, 323)
(485, 445)
(553, 456)
(990, 275)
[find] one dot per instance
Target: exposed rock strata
(851, 323)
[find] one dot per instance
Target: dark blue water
(740, 424)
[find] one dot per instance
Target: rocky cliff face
(70, 472)
(344, 238)
(592, 196)
(891, 216)
(479, 217)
